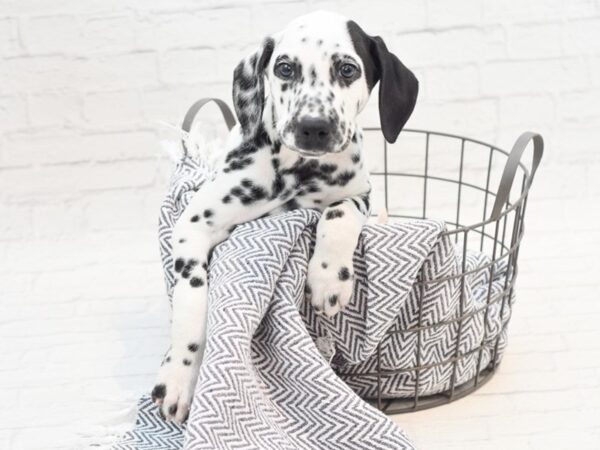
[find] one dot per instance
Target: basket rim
(511, 206)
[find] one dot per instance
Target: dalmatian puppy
(297, 145)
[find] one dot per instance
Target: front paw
(174, 389)
(329, 284)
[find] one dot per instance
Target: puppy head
(318, 74)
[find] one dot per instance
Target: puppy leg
(330, 271)
(205, 222)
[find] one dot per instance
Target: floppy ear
(398, 88)
(249, 87)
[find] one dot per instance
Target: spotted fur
(297, 145)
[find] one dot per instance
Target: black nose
(313, 133)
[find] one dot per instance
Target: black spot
(354, 138)
(193, 347)
(179, 263)
(307, 289)
(334, 214)
(159, 392)
(258, 193)
(196, 282)
(333, 300)
(320, 42)
(226, 199)
(209, 223)
(344, 274)
(240, 164)
(187, 362)
(181, 241)
(291, 205)
(243, 151)
(356, 158)
(261, 138)
(278, 186)
(237, 191)
(339, 202)
(208, 213)
(205, 266)
(168, 359)
(173, 409)
(328, 168)
(276, 147)
(195, 218)
(324, 265)
(344, 177)
(187, 269)
(247, 183)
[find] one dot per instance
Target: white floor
(91, 324)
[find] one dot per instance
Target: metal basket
(465, 169)
(477, 217)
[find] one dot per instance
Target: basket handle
(510, 169)
(190, 115)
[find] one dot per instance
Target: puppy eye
(348, 70)
(284, 70)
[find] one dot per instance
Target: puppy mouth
(312, 153)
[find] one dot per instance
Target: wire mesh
(408, 189)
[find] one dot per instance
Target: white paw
(174, 389)
(329, 284)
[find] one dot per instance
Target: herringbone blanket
(268, 379)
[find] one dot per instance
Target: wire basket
(444, 176)
(449, 177)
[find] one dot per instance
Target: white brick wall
(82, 82)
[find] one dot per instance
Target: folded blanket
(382, 280)
(268, 378)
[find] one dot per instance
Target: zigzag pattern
(151, 431)
(264, 384)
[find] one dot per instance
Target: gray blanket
(269, 381)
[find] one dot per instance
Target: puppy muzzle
(314, 134)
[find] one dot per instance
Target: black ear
(398, 88)
(249, 87)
